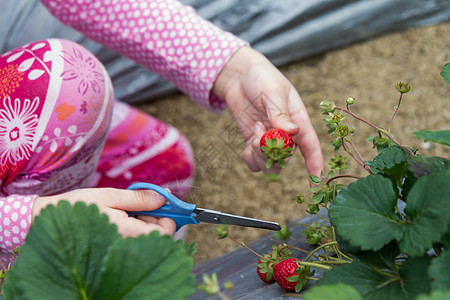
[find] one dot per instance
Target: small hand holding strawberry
(257, 93)
(290, 275)
(276, 145)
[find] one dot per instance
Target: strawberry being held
(276, 144)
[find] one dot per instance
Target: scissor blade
(217, 217)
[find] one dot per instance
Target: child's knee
(85, 85)
(71, 102)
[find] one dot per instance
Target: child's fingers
(135, 200)
(135, 227)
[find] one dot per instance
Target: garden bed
(239, 267)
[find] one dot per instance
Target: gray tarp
(283, 30)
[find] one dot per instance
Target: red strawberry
(290, 275)
(276, 144)
(265, 270)
(265, 265)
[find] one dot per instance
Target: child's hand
(115, 203)
(257, 94)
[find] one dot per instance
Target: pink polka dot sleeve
(164, 36)
(15, 216)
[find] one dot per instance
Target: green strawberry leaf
(436, 295)
(372, 283)
(439, 271)
(280, 143)
(421, 165)
(367, 281)
(410, 181)
(149, 265)
(73, 252)
(414, 275)
(446, 72)
(428, 212)
(445, 240)
(364, 213)
(318, 197)
(63, 254)
(440, 136)
(333, 292)
(316, 180)
(301, 284)
(10, 289)
(191, 248)
(391, 161)
(385, 258)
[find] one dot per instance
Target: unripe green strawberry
(276, 144)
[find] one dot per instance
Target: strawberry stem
(293, 247)
(315, 265)
(322, 218)
(3, 266)
(396, 108)
(292, 295)
(358, 160)
(320, 247)
(311, 278)
(222, 296)
(341, 176)
(338, 260)
(249, 249)
(380, 129)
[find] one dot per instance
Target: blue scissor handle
(179, 211)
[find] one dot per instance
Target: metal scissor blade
(217, 217)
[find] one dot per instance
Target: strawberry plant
(394, 223)
(73, 252)
(387, 234)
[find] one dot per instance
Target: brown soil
(366, 71)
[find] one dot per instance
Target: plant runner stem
(354, 157)
(3, 266)
(342, 176)
(395, 111)
(311, 278)
(315, 265)
(338, 250)
(222, 296)
(293, 247)
(338, 260)
(249, 249)
(322, 218)
(320, 247)
(387, 134)
(359, 155)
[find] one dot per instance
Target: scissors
(184, 213)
